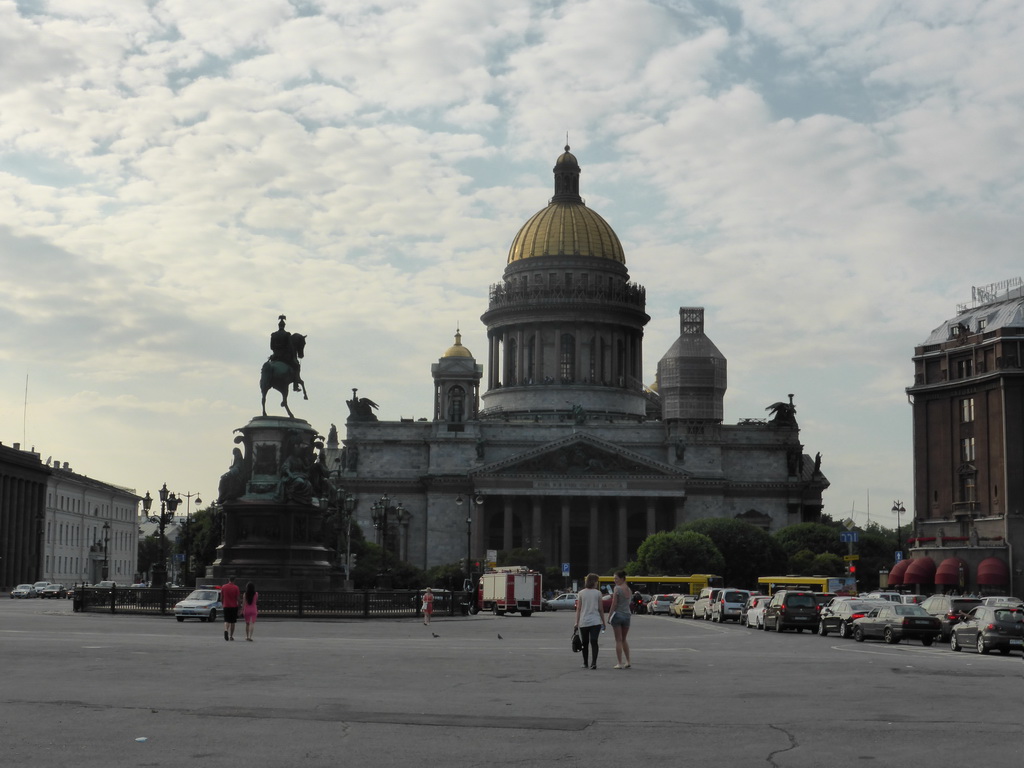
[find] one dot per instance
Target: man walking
(229, 602)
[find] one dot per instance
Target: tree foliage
(675, 553)
(815, 537)
(749, 551)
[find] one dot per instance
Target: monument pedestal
(272, 518)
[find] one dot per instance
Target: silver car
(22, 591)
(202, 604)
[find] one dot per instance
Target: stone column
(622, 552)
(565, 530)
(535, 522)
(506, 539)
(678, 511)
(651, 518)
(594, 529)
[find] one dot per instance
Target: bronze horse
(278, 375)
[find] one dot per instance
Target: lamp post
(478, 500)
(106, 555)
(188, 529)
(350, 506)
(379, 514)
(168, 506)
(898, 509)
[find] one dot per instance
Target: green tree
(675, 553)
(816, 537)
(532, 558)
(749, 551)
(826, 564)
(799, 564)
(149, 552)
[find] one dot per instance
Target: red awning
(920, 571)
(993, 572)
(952, 572)
(897, 572)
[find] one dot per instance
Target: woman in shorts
(620, 614)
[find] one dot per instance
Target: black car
(839, 617)
(950, 610)
(986, 628)
(896, 622)
(791, 609)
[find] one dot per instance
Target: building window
(964, 368)
(968, 491)
(967, 450)
(456, 402)
(983, 324)
(567, 363)
(967, 409)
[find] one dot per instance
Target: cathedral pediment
(579, 455)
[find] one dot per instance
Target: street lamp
(168, 506)
(106, 556)
(898, 509)
(188, 529)
(350, 506)
(478, 500)
(379, 515)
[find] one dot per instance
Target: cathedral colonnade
(576, 527)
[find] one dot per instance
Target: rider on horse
(282, 351)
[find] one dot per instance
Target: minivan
(729, 604)
(702, 608)
(791, 609)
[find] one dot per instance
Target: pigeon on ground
(435, 634)
(500, 637)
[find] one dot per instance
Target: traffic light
(851, 569)
(351, 561)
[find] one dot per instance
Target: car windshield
(910, 610)
(204, 594)
(964, 603)
(24, 586)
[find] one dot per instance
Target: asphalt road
(99, 690)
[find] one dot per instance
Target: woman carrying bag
(590, 619)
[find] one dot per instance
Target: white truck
(508, 589)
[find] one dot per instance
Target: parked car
(54, 590)
(563, 602)
(728, 606)
(753, 615)
(988, 628)
(791, 609)
(896, 621)
(661, 603)
(1003, 601)
(201, 604)
(22, 591)
(39, 586)
(892, 597)
(949, 609)
(839, 616)
(702, 608)
(105, 584)
(913, 599)
(682, 606)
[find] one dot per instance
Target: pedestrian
(428, 606)
(229, 594)
(620, 615)
(249, 609)
(590, 619)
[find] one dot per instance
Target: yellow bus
(661, 585)
(838, 585)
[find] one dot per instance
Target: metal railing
(297, 604)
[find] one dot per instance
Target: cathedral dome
(456, 349)
(566, 227)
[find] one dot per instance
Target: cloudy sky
(827, 179)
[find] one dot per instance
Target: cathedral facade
(554, 442)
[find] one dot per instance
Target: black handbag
(577, 643)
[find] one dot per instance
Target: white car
(202, 604)
(563, 602)
(39, 586)
(729, 605)
(661, 604)
(22, 591)
(754, 617)
(892, 597)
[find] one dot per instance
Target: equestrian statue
(282, 368)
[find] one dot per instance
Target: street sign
(851, 558)
(848, 522)
(492, 558)
(899, 555)
(565, 569)
(849, 536)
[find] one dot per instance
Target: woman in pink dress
(249, 609)
(428, 606)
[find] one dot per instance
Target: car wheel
(858, 634)
(954, 644)
(778, 625)
(799, 630)
(890, 636)
(821, 629)
(844, 630)
(180, 618)
(982, 648)
(213, 614)
(926, 641)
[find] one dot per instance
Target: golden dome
(456, 349)
(566, 227)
